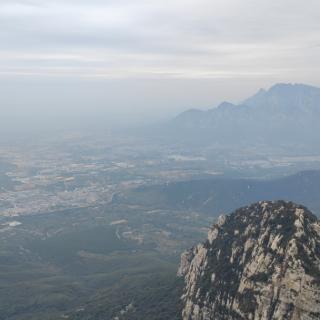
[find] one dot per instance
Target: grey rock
(262, 262)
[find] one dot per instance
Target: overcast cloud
(219, 44)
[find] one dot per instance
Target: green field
(74, 265)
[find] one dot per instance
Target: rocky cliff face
(261, 262)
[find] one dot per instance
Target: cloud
(189, 38)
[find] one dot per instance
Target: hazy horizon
(146, 61)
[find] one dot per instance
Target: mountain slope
(262, 262)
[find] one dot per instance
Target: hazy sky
(139, 57)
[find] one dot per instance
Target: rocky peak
(226, 105)
(260, 262)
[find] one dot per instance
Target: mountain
(262, 262)
(287, 98)
(286, 113)
(213, 196)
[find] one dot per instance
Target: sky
(141, 59)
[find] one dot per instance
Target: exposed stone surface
(262, 262)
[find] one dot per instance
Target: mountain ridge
(276, 88)
(221, 194)
(286, 113)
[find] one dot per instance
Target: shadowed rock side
(260, 262)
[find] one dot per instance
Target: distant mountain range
(217, 195)
(286, 113)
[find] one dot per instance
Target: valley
(92, 225)
(86, 226)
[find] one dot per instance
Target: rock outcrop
(262, 262)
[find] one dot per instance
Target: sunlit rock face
(261, 262)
